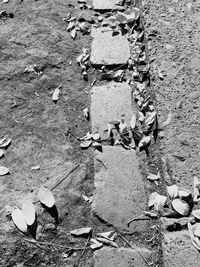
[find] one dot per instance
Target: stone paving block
(179, 251)
(107, 4)
(118, 183)
(110, 102)
(107, 49)
(121, 257)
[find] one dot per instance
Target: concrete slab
(110, 102)
(107, 49)
(121, 257)
(118, 183)
(107, 4)
(179, 251)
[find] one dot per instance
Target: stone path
(118, 181)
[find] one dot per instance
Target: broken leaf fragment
(133, 121)
(3, 170)
(181, 206)
(73, 33)
(111, 235)
(19, 220)
(81, 231)
(107, 242)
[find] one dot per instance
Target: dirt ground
(44, 133)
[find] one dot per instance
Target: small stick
(141, 217)
(101, 163)
(32, 242)
(86, 243)
(132, 246)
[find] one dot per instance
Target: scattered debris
(32, 68)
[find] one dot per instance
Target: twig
(137, 204)
(132, 246)
(66, 175)
(86, 243)
(141, 217)
(101, 163)
(32, 242)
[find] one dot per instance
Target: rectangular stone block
(110, 102)
(108, 49)
(120, 257)
(118, 186)
(107, 4)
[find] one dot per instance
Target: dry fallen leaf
(107, 242)
(28, 210)
(153, 177)
(19, 220)
(111, 235)
(95, 244)
(46, 197)
(55, 95)
(5, 142)
(81, 231)
(181, 206)
(96, 136)
(194, 239)
(70, 25)
(86, 144)
(3, 171)
(196, 214)
(73, 33)
(156, 200)
(172, 191)
(186, 196)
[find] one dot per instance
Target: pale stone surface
(179, 251)
(110, 102)
(107, 49)
(121, 257)
(107, 4)
(118, 184)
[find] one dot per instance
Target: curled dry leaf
(97, 145)
(186, 196)
(56, 94)
(3, 171)
(28, 210)
(172, 191)
(196, 214)
(196, 229)
(46, 197)
(4, 142)
(81, 231)
(181, 207)
(196, 189)
(153, 177)
(71, 25)
(194, 239)
(19, 220)
(123, 127)
(111, 235)
(86, 144)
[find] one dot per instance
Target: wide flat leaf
(46, 197)
(81, 231)
(3, 170)
(19, 220)
(28, 210)
(181, 206)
